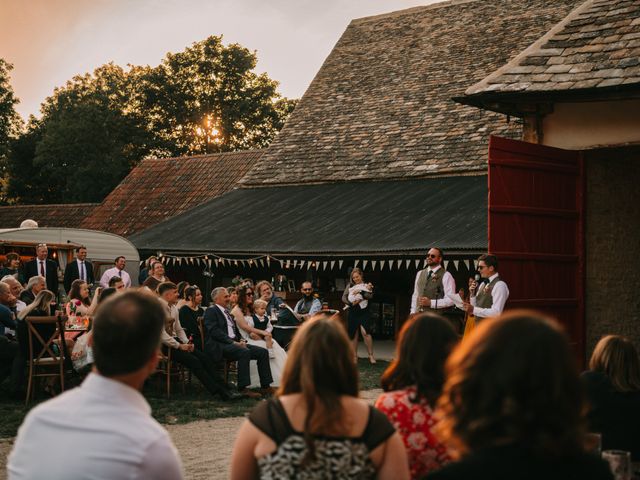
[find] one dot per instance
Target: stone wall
(612, 244)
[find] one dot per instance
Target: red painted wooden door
(536, 228)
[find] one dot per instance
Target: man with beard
(433, 286)
(288, 323)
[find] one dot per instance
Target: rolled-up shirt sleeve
(414, 297)
(500, 295)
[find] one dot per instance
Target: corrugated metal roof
(341, 218)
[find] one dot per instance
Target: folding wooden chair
(46, 353)
(168, 369)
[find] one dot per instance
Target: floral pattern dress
(415, 423)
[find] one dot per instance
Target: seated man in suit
(41, 265)
(81, 269)
(223, 340)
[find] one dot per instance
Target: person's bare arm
(243, 461)
(392, 462)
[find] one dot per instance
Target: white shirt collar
(104, 387)
(435, 269)
(493, 277)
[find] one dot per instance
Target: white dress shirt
(82, 268)
(448, 283)
(499, 293)
(230, 330)
(169, 340)
(114, 272)
(100, 430)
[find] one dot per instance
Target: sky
(50, 41)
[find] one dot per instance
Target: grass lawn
(195, 404)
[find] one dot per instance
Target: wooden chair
(47, 354)
(167, 369)
(229, 365)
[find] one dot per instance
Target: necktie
(41, 268)
(231, 322)
(82, 274)
(429, 275)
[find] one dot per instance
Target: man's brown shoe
(267, 392)
(249, 393)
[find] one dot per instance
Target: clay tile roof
(596, 46)
(157, 189)
(69, 215)
(380, 107)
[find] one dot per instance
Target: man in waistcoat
(492, 293)
(433, 286)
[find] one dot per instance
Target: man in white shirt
(433, 285)
(116, 271)
(80, 269)
(104, 429)
(492, 293)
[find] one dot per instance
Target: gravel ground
(205, 447)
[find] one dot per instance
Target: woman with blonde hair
(317, 427)
(613, 390)
(356, 298)
(512, 405)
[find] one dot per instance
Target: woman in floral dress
(412, 384)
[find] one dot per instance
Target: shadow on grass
(193, 405)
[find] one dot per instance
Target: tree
(98, 126)
(10, 122)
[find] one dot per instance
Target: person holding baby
(356, 298)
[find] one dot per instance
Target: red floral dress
(414, 422)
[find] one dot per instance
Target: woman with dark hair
(11, 266)
(79, 303)
(317, 427)
(189, 314)
(512, 404)
(413, 383)
(182, 299)
(233, 297)
(356, 297)
(613, 390)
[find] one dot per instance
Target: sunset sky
(49, 41)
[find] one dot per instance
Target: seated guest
(512, 404)
(182, 300)
(317, 427)
(106, 420)
(11, 358)
(613, 390)
(117, 283)
(16, 290)
(156, 278)
(189, 314)
(117, 271)
(233, 297)
(413, 383)
(79, 303)
(288, 322)
(264, 291)
(34, 286)
(11, 266)
(144, 273)
(223, 340)
(182, 351)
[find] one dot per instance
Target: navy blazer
(31, 270)
(71, 273)
(216, 333)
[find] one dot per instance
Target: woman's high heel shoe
(372, 359)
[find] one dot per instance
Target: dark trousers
(243, 356)
(284, 336)
(202, 367)
(12, 362)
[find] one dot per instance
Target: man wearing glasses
(492, 293)
(433, 285)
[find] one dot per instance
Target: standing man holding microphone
(492, 293)
(433, 286)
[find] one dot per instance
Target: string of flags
(211, 261)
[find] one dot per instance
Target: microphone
(477, 278)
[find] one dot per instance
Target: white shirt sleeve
(414, 297)
(316, 306)
(161, 461)
(449, 285)
(104, 280)
(168, 340)
(500, 295)
(180, 333)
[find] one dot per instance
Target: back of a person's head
(514, 380)
(126, 332)
(617, 358)
(42, 303)
(320, 360)
(106, 293)
(423, 346)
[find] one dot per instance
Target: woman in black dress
(356, 296)
(189, 314)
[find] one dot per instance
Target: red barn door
(536, 228)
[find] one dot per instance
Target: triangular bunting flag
(209, 263)
(373, 264)
(456, 263)
(324, 265)
(417, 262)
(382, 263)
(340, 262)
(317, 263)
(333, 263)
(268, 261)
(406, 263)
(295, 263)
(446, 264)
(364, 264)
(356, 263)
(424, 263)
(398, 264)
(235, 263)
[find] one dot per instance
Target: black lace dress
(336, 457)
